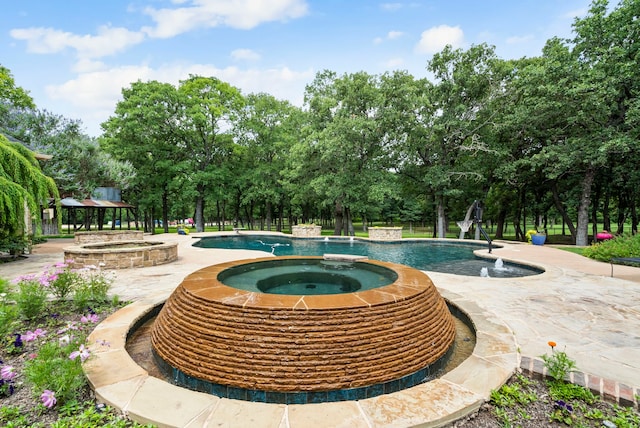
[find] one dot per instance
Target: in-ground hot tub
(250, 344)
(121, 254)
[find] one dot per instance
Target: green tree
(265, 128)
(143, 131)
(209, 107)
(24, 189)
(448, 123)
(12, 98)
(347, 151)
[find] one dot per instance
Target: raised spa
(307, 276)
(298, 348)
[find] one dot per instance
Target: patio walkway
(576, 303)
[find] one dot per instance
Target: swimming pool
(446, 256)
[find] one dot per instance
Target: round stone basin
(297, 348)
(307, 276)
(121, 254)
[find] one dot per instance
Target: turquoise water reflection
(436, 256)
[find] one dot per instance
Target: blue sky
(75, 56)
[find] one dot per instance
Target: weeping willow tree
(24, 189)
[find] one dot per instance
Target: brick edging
(609, 390)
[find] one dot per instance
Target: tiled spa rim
(301, 349)
(121, 383)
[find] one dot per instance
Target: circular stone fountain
(299, 348)
(121, 254)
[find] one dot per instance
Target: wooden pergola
(94, 212)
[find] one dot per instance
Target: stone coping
(122, 254)
(204, 285)
(119, 382)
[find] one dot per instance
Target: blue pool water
(307, 277)
(447, 257)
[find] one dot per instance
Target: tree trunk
(349, 229)
(268, 214)
(606, 212)
(165, 212)
(200, 209)
(502, 216)
(582, 236)
(441, 217)
(337, 230)
(563, 212)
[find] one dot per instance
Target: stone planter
(121, 254)
(107, 236)
(306, 231)
(385, 233)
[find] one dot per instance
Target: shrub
(31, 298)
(53, 369)
(621, 246)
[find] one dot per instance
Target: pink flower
(32, 356)
(82, 352)
(48, 398)
(103, 342)
(33, 335)
(61, 265)
(7, 373)
(21, 278)
(70, 326)
(92, 318)
(28, 336)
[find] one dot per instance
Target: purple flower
(30, 336)
(82, 352)
(25, 278)
(7, 373)
(92, 318)
(70, 326)
(48, 398)
(560, 404)
(103, 342)
(18, 341)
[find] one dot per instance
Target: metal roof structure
(92, 203)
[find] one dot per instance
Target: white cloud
(241, 14)
(394, 63)
(436, 38)
(391, 6)
(87, 65)
(245, 55)
(391, 35)
(576, 13)
(107, 41)
(515, 40)
(92, 96)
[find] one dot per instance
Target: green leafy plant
(64, 282)
(31, 298)
(558, 364)
(620, 246)
(92, 289)
(8, 317)
(53, 369)
(12, 416)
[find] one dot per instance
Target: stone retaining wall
(306, 231)
(122, 254)
(108, 236)
(385, 233)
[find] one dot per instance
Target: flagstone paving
(576, 303)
